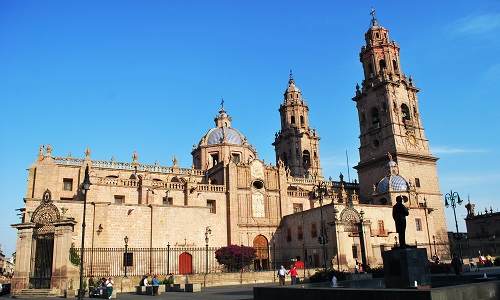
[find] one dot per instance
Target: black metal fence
(187, 260)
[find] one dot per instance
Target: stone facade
(240, 198)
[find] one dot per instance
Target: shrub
(439, 268)
(322, 275)
(74, 258)
(235, 257)
(377, 272)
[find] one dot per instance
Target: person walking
(109, 287)
(281, 275)
(293, 274)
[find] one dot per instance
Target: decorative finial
(87, 152)
(135, 156)
(290, 76)
(221, 103)
(48, 148)
(40, 152)
(389, 156)
(374, 18)
(174, 161)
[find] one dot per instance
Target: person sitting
(156, 285)
(145, 281)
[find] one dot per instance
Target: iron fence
(187, 260)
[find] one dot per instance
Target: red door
(185, 263)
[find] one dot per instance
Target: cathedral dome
(392, 183)
(228, 135)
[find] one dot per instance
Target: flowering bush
(235, 257)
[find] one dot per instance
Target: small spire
(374, 18)
(222, 103)
(290, 76)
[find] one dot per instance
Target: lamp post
(453, 199)
(85, 187)
(125, 261)
(319, 192)
(362, 239)
(208, 231)
(435, 248)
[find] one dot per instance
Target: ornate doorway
(185, 263)
(41, 265)
(42, 250)
(261, 247)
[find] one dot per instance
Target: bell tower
(297, 144)
(390, 120)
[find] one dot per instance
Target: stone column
(63, 272)
(23, 256)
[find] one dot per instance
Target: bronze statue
(399, 213)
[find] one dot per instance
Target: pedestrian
(456, 263)
(109, 287)
(334, 281)
(281, 275)
(293, 274)
(356, 267)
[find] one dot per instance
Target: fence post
(168, 258)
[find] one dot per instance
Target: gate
(41, 264)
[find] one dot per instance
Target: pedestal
(404, 266)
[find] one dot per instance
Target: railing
(103, 262)
(110, 164)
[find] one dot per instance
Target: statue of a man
(399, 213)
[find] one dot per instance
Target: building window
(417, 182)
(300, 234)
(314, 230)
(211, 206)
(68, 184)
(306, 159)
(168, 201)
(236, 157)
(381, 229)
(215, 158)
(405, 111)
(119, 199)
(375, 117)
(292, 120)
(289, 234)
(418, 224)
(354, 251)
(382, 64)
(302, 121)
(297, 207)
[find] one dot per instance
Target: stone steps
(36, 293)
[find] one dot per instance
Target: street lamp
(319, 192)
(362, 239)
(453, 199)
(208, 231)
(435, 248)
(85, 187)
(125, 261)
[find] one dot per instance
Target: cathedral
(243, 201)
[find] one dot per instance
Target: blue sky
(120, 76)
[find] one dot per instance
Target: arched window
(395, 65)
(284, 157)
(382, 64)
(375, 117)
(292, 120)
(302, 121)
(306, 158)
(405, 112)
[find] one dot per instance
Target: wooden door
(185, 263)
